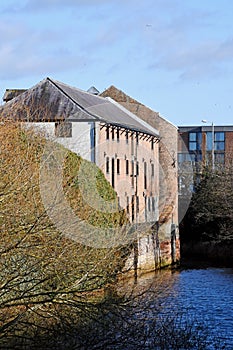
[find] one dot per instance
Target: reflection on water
(201, 294)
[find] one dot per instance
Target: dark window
(132, 208)
(127, 205)
(113, 172)
(152, 144)
(107, 133)
(137, 168)
(118, 166)
(195, 140)
(127, 136)
(63, 129)
(145, 176)
(127, 167)
(145, 206)
(118, 135)
(132, 173)
(137, 138)
(153, 204)
(137, 207)
(113, 133)
(152, 169)
(149, 204)
(107, 165)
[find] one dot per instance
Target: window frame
(63, 129)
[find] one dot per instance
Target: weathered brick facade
(168, 197)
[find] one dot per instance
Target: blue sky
(175, 56)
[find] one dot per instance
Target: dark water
(208, 295)
(205, 295)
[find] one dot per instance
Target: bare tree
(42, 270)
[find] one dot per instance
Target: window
(153, 204)
(219, 158)
(152, 145)
(185, 157)
(113, 172)
(107, 165)
(148, 203)
(145, 206)
(132, 208)
(152, 169)
(118, 135)
(107, 133)
(132, 173)
(118, 166)
(145, 176)
(127, 136)
(219, 141)
(137, 204)
(127, 204)
(195, 140)
(63, 129)
(113, 133)
(127, 167)
(137, 168)
(137, 138)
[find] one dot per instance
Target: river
(185, 309)
(207, 294)
(204, 296)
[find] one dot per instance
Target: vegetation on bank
(208, 223)
(45, 275)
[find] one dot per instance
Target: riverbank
(218, 254)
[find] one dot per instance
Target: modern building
(205, 145)
(199, 147)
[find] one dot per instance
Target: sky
(174, 56)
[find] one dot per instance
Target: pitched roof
(52, 100)
(143, 112)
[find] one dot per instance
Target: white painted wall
(80, 141)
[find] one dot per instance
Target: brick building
(133, 146)
(168, 198)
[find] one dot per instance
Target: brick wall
(168, 197)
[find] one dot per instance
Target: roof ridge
(134, 116)
(140, 103)
(54, 82)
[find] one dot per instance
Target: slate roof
(51, 100)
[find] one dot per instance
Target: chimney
(11, 93)
(92, 90)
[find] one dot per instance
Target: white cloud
(166, 35)
(56, 5)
